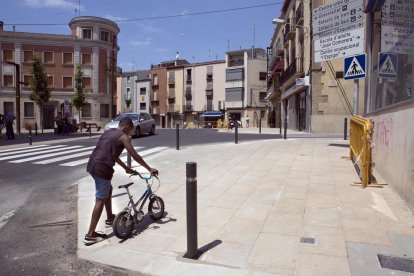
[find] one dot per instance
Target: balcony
(209, 106)
(209, 93)
(188, 79)
(234, 104)
(289, 31)
(299, 15)
(171, 94)
(209, 86)
(155, 82)
(294, 70)
(277, 52)
(236, 62)
(154, 97)
(173, 108)
(171, 81)
(188, 108)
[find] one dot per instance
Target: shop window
(28, 109)
(104, 111)
(86, 111)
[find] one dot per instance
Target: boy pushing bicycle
(100, 166)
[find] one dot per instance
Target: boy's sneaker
(97, 237)
(110, 221)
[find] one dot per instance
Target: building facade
(92, 44)
(134, 92)
(245, 87)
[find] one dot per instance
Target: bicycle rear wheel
(156, 207)
(123, 225)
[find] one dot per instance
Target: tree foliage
(79, 98)
(38, 83)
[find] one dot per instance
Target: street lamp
(280, 21)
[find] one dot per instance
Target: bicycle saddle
(125, 185)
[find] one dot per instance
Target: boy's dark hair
(126, 121)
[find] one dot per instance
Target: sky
(151, 39)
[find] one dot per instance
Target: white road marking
(26, 150)
(37, 153)
(30, 147)
(53, 154)
(61, 158)
(82, 161)
(5, 218)
(146, 152)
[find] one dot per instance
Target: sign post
(355, 69)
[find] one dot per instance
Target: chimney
(1, 26)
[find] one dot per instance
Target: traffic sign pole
(356, 96)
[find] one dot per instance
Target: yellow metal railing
(360, 147)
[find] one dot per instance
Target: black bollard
(90, 131)
(191, 199)
(345, 128)
(177, 135)
(128, 160)
(286, 122)
(30, 136)
(236, 133)
(36, 129)
(260, 125)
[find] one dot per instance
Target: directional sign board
(339, 13)
(387, 65)
(338, 29)
(397, 26)
(355, 67)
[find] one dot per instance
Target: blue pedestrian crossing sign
(387, 64)
(355, 67)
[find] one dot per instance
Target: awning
(212, 114)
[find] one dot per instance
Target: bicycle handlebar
(145, 178)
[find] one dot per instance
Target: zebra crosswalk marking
(57, 159)
(27, 150)
(82, 161)
(52, 154)
(146, 152)
(24, 148)
(36, 153)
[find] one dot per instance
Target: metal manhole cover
(396, 263)
(307, 240)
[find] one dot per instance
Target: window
(8, 107)
(48, 57)
(262, 96)
(27, 56)
(86, 59)
(104, 110)
(8, 55)
(234, 94)
(8, 81)
(143, 106)
(67, 58)
(28, 109)
(50, 81)
(26, 80)
(143, 91)
(67, 82)
(339, 74)
(262, 76)
(86, 110)
(262, 114)
(234, 75)
(87, 33)
(86, 82)
(104, 36)
(128, 78)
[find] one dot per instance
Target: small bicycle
(124, 221)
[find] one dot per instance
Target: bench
(84, 125)
(90, 125)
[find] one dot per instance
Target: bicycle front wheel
(156, 207)
(123, 225)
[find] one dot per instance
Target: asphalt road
(38, 206)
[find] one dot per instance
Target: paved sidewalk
(259, 199)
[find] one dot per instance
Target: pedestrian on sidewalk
(100, 166)
(9, 120)
(247, 121)
(59, 123)
(1, 123)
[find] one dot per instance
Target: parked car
(143, 123)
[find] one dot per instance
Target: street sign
(397, 26)
(300, 82)
(355, 67)
(344, 13)
(387, 64)
(341, 29)
(339, 45)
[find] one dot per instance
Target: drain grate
(396, 263)
(307, 240)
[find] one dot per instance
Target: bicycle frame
(147, 194)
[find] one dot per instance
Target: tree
(79, 99)
(38, 84)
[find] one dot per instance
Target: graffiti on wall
(383, 130)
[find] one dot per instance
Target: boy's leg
(96, 214)
(108, 205)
